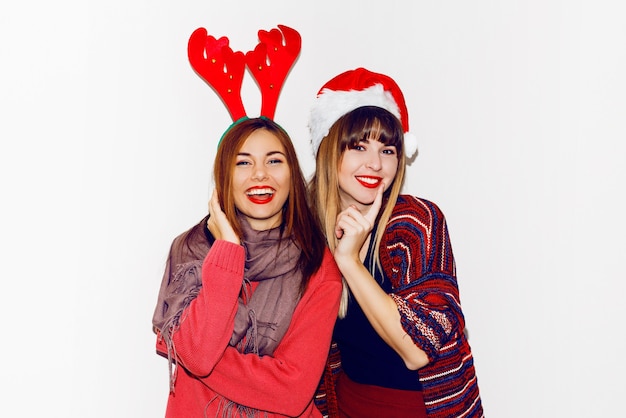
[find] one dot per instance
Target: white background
(108, 138)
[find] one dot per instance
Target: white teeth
(254, 192)
(368, 180)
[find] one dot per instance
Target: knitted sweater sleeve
(416, 255)
(285, 382)
(207, 323)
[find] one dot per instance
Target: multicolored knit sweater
(416, 256)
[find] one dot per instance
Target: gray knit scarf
(263, 317)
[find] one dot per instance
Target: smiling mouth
(369, 182)
(260, 195)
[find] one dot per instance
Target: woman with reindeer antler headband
(250, 294)
(399, 344)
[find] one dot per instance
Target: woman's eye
(389, 151)
(242, 163)
(275, 161)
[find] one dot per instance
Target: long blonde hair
(368, 122)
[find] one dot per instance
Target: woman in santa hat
(399, 346)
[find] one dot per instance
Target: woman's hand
(218, 223)
(353, 227)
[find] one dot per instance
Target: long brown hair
(298, 220)
(367, 122)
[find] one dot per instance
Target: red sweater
(282, 384)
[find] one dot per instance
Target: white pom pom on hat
(351, 90)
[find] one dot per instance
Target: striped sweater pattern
(416, 255)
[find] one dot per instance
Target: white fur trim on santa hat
(410, 144)
(330, 105)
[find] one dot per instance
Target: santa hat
(351, 90)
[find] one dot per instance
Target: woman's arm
(381, 311)
(286, 381)
(353, 229)
(207, 324)
(425, 290)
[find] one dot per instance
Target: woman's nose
(373, 162)
(259, 173)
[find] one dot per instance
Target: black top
(365, 357)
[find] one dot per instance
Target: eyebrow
(247, 154)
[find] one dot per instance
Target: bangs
(371, 123)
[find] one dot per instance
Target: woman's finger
(373, 210)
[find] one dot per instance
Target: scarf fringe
(186, 273)
(252, 345)
(172, 365)
(271, 259)
(230, 409)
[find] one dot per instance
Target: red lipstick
(260, 195)
(371, 182)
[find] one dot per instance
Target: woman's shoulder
(407, 205)
(328, 271)
(192, 243)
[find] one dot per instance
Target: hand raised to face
(353, 227)
(218, 224)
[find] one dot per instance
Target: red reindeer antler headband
(269, 63)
